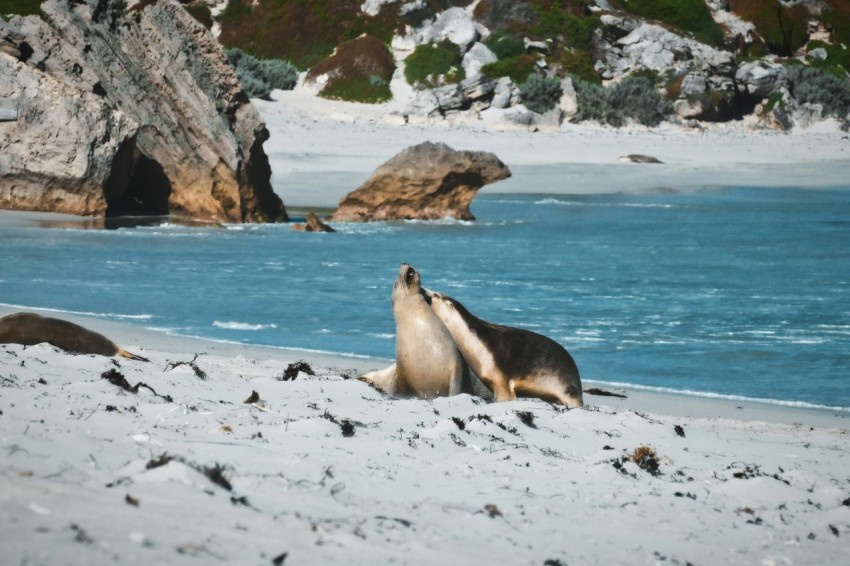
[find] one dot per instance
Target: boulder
(423, 104)
(477, 56)
(760, 79)
(450, 98)
(313, 224)
(568, 103)
(505, 94)
(161, 124)
(478, 87)
(428, 181)
(453, 25)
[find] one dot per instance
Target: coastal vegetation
(434, 64)
(687, 15)
(359, 71)
(20, 7)
(634, 98)
(540, 94)
(817, 86)
(260, 76)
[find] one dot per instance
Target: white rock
(454, 25)
(569, 100)
(477, 56)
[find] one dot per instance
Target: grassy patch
(687, 15)
(837, 17)
(504, 45)
(359, 71)
(302, 31)
(837, 58)
(371, 90)
(20, 7)
(434, 63)
(517, 68)
(783, 28)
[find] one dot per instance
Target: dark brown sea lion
(28, 329)
(511, 362)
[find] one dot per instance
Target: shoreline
(670, 403)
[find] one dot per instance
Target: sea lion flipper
(383, 380)
(129, 355)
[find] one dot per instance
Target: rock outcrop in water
(128, 110)
(428, 181)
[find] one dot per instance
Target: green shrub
(431, 64)
(556, 22)
(20, 7)
(633, 98)
(592, 101)
(260, 76)
(580, 64)
(505, 46)
(517, 68)
(836, 56)
(636, 98)
(809, 84)
(359, 71)
(688, 15)
(540, 94)
(370, 90)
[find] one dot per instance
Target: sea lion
(512, 362)
(28, 329)
(428, 363)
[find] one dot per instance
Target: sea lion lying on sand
(512, 362)
(28, 329)
(428, 363)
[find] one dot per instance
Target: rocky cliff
(428, 181)
(127, 109)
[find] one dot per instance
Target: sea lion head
(407, 284)
(443, 306)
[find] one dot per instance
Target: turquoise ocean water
(736, 292)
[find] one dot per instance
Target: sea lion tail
(125, 354)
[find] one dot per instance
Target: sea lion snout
(408, 280)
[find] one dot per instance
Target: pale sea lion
(428, 363)
(512, 362)
(28, 329)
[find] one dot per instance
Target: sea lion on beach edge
(428, 363)
(28, 329)
(512, 362)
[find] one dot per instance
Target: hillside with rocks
(774, 63)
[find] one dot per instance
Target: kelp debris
(117, 379)
(293, 369)
(198, 371)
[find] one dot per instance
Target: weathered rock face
(428, 181)
(54, 130)
(130, 111)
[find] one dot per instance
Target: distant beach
(322, 149)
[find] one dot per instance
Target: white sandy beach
(324, 469)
